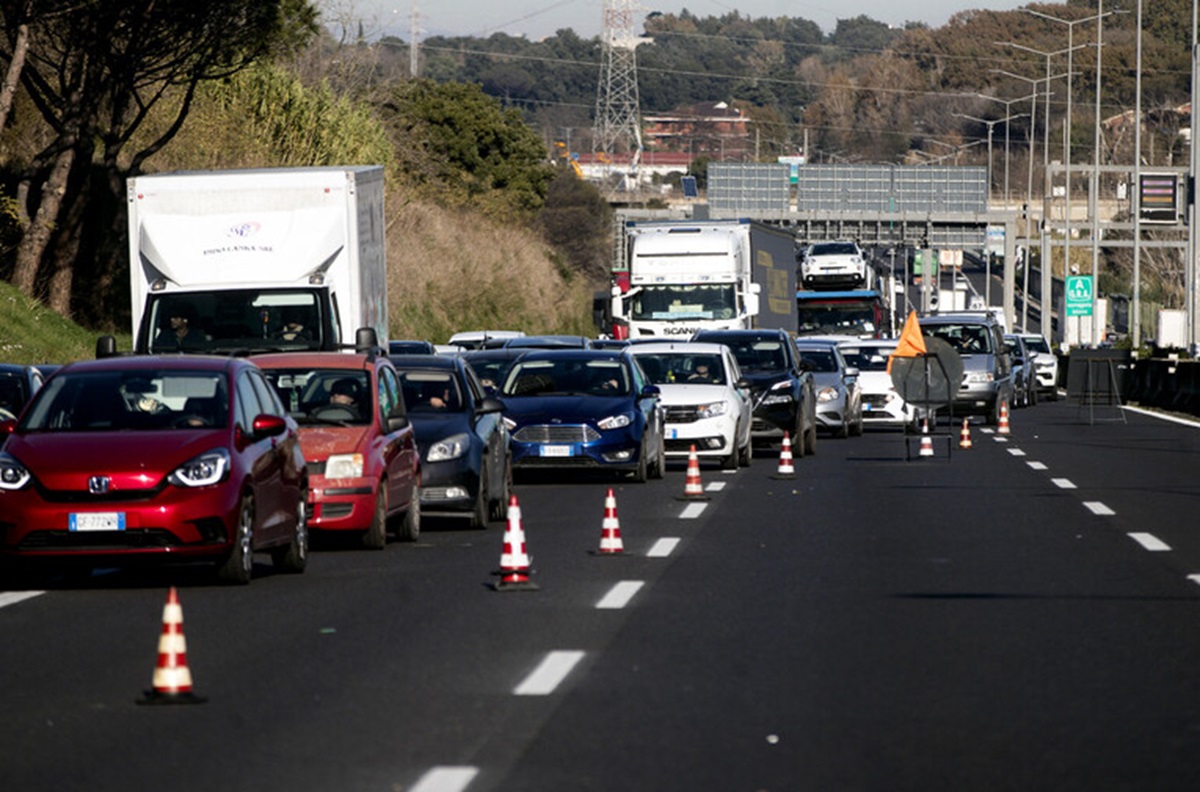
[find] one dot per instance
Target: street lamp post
(1008, 103)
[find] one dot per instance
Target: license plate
(556, 450)
(98, 521)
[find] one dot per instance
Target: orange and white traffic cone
(172, 679)
(1003, 427)
(514, 559)
(964, 437)
(693, 489)
(926, 440)
(610, 528)
(786, 469)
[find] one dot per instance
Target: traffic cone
(172, 679)
(692, 488)
(1003, 427)
(786, 469)
(610, 528)
(926, 440)
(964, 437)
(514, 560)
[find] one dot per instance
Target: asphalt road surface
(1022, 615)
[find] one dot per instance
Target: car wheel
(499, 507)
(239, 566)
(410, 526)
(481, 512)
(375, 537)
(810, 438)
(294, 558)
(797, 438)
(660, 462)
(1033, 396)
(746, 453)
(643, 467)
(730, 460)
(856, 428)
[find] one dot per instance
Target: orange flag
(911, 343)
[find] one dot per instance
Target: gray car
(839, 396)
(987, 369)
(1025, 384)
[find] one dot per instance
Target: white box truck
(686, 276)
(256, 260)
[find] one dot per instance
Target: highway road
(1021, 615)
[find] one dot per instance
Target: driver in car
(344, 393)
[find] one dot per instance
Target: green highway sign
(1079, 295)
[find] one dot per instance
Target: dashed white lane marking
(1037, 465)
(692, 511)
(549, 674)
(619, 595)
(1062, 483)
(1099, 509)
(13, 597)
(1000, 439)
(446, 779)
(663, 547)
(1150, 542)
(986, 430)
(1194, 578)
(715, 486)
(1016, 452)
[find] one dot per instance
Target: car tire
(293, 558)
(375, 537)
(482, 509)
(810, 438)
(238, 567)
(642, 474)
(856, 428)
(730, 460)
(746, 453)
(499, 507)
(409, 528)
(660, 462)
(797, 438)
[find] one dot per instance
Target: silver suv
(987, 368)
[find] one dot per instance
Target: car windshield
(759, 355)
(141, 400)
(1037, 344)
(13, 393)
(225, 320)
(867, 358)
(673, 367)
(324, 396)
(832, 249)
(820, 360)
(491, 371)
(431, 391)
(966, 339)
(568, 376)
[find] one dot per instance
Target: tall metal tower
(618, 126)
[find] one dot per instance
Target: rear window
(966, 339)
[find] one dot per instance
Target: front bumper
(567, 446)
(341, 504)
(711, 436)
(886, 409)
(448, 488)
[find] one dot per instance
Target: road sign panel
(1079, 295)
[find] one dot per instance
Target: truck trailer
(257, 259)
(680, 277)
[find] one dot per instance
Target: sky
(537, 19)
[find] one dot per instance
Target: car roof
(870, 343)
(959, 318)
(447, 362)
(576, 354)
(698, 347)
(761, 332)
(328, 360)
(162, 362)
(497, 353)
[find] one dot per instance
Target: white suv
(840, 264)
(1045, 364)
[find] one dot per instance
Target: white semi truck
(255, 260)
(685, 276)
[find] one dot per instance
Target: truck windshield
(228, 320)
(837, 319)
(670, 303)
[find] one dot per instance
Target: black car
(411, 347)
(782, 391)
(466, 464)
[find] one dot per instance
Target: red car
(363, 464)
(154, 458)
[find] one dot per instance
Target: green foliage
(577, 221)
(30, 333)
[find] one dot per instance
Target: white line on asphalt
(1000, 439)
(619, 595)
(1150, 542)
(1037, 465)
(663, 547)
(1162, 416)
(986, 430)
(1063, 483)
(446, 779)
(1194, 578)
(1099, 509)
(1016, 452)
(715, 486)
(550, 672)
(13, 597)
(692, 511)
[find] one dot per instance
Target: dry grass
(450, 270)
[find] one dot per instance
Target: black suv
(781, 386)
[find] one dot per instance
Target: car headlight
(979, 377)
(450, 448)
(712, 410)
(202, 471)
(614, 422)
(13, 475)
(827, 394)
(344, 466)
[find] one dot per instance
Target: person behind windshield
(344, 393)
(181, 335)
(700, 374)
(293, 326)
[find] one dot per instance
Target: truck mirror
(752, 301)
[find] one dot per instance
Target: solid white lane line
(13, 597)
(619, 595)
(715, 486)
(549, 674)
(692, 511)
(663, 547)
(1016, 452)
(1194, 578)
(1063, 483)
(1099, 509)
(1037, 465)
(1150, 542)
(446, 779)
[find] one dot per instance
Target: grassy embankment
(32, 333)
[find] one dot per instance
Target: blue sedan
(584, 409)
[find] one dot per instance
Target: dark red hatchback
(154, 458)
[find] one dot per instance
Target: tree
(577, 221)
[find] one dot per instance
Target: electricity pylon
(618, 121)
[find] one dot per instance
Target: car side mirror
(395, 423)
(489, 405)
(852, 372)
(743, 384)
(267, 425)
(650, 391)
